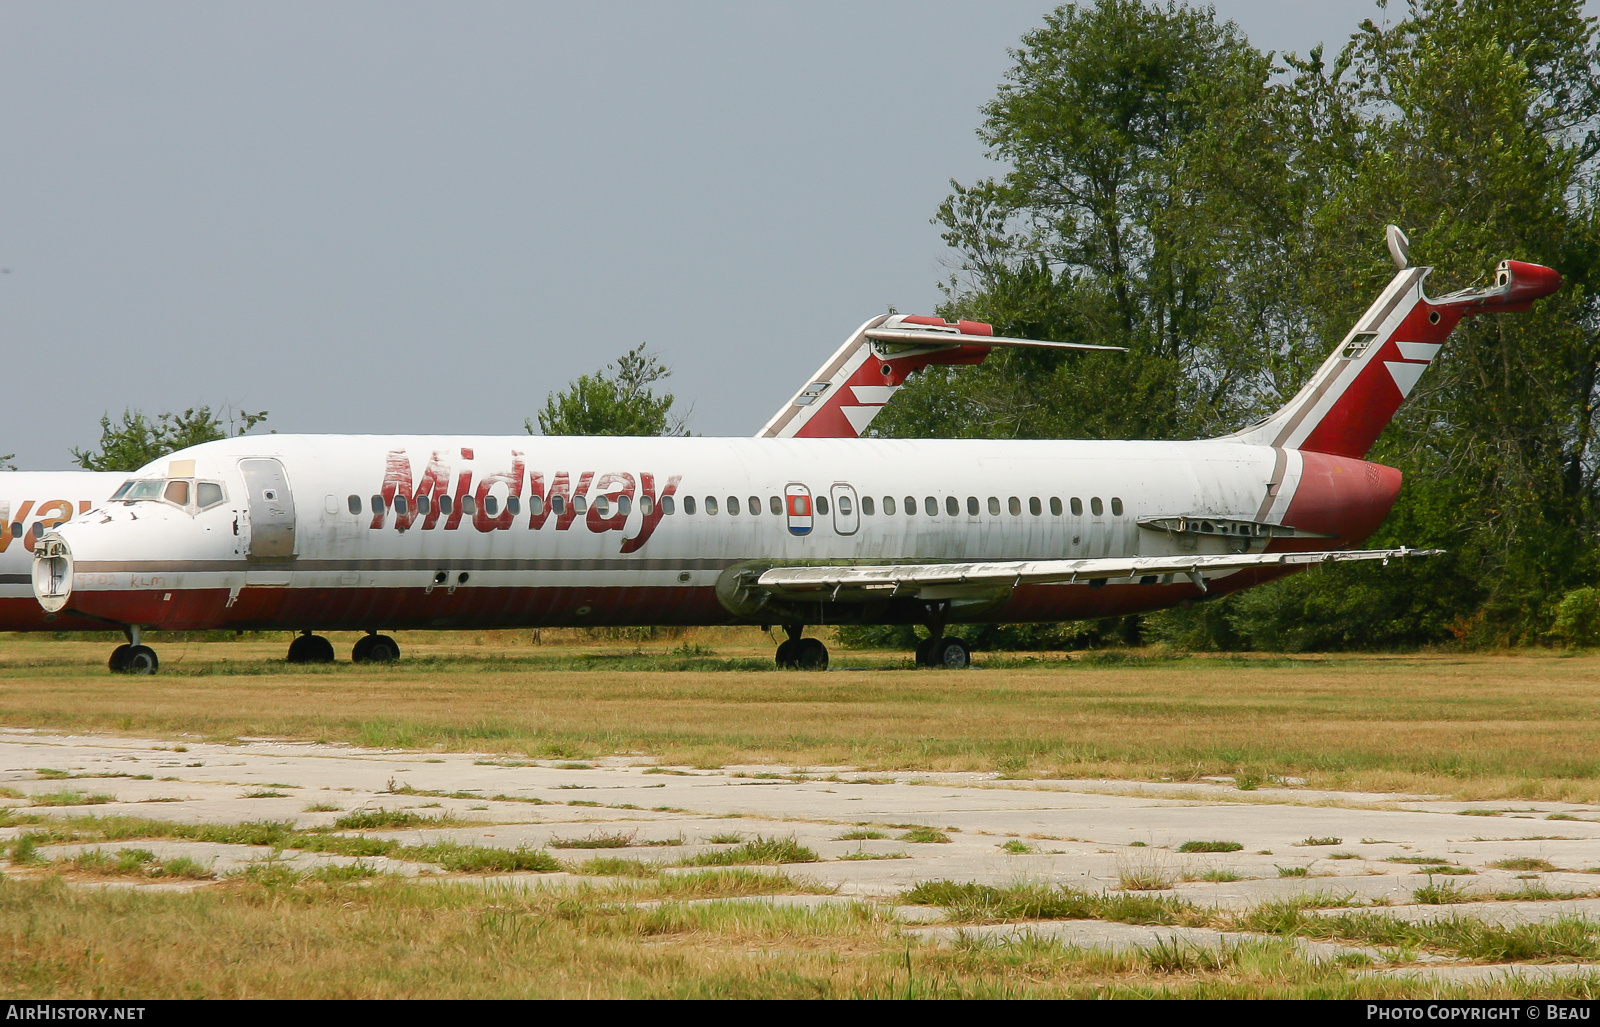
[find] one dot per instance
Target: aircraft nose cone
(52, 573)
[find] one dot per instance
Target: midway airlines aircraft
(384, 532)
(33, 502)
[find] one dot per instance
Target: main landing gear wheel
(119, 659)
(309, 648)
(375, 649)
(140, 659)
(802, 654)
(945, 653)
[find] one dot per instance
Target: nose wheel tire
(375, 649)
(310, 649)
(137, 659)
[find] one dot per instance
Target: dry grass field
(395, 939)
(109, 920)
(1470, 726)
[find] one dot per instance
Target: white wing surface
(949, 580)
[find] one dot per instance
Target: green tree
(1147, 184)
(6, 463)
(1167, 191)
(138, 439)
(1472, 123)
(616, 400)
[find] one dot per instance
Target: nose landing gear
(133, 658)
(801, 653)
(309, 648)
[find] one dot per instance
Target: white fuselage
(289, 550)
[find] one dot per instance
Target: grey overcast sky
(423, 217)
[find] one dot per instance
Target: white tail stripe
(1288, 484)
(1423, 351)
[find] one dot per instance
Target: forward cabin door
(271, 509)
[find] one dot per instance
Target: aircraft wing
(951, 580)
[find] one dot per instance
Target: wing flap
(948, 580)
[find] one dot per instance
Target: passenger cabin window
(775, 505)
(469, 506)
(972, 506)
(1116, 506)
(355, 504)
(667, 503)
(733, 506)
(822, 504)
(580, 504)
(491, 505)
(424, 501)
(536, 505)
(1015, 506)
(514, 505)
(844, 505)
(558, 505)
(400, 505)
(209, 494)
(647, 506)
(888, 504)
(1055, 506)
(1034, 506)
(911, 506)
(866, 505)
(994, 506)
(688, 504)
(952, 506)
(930, 506)
(624, 505)
(1096, 507)
(755, 504)
(377, 505)
(1077, 507)
(711, 505)
(602, 506)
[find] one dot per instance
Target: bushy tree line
(139, 438)
(1219, 210)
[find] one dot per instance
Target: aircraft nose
(52, 572)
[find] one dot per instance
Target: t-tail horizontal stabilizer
(847, 392)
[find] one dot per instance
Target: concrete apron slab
(1091, 835)
(1115, 937)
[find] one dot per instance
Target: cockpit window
(123, 490)
(136, 490)
(177, 493)
(207, 494)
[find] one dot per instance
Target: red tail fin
(1354, 395)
